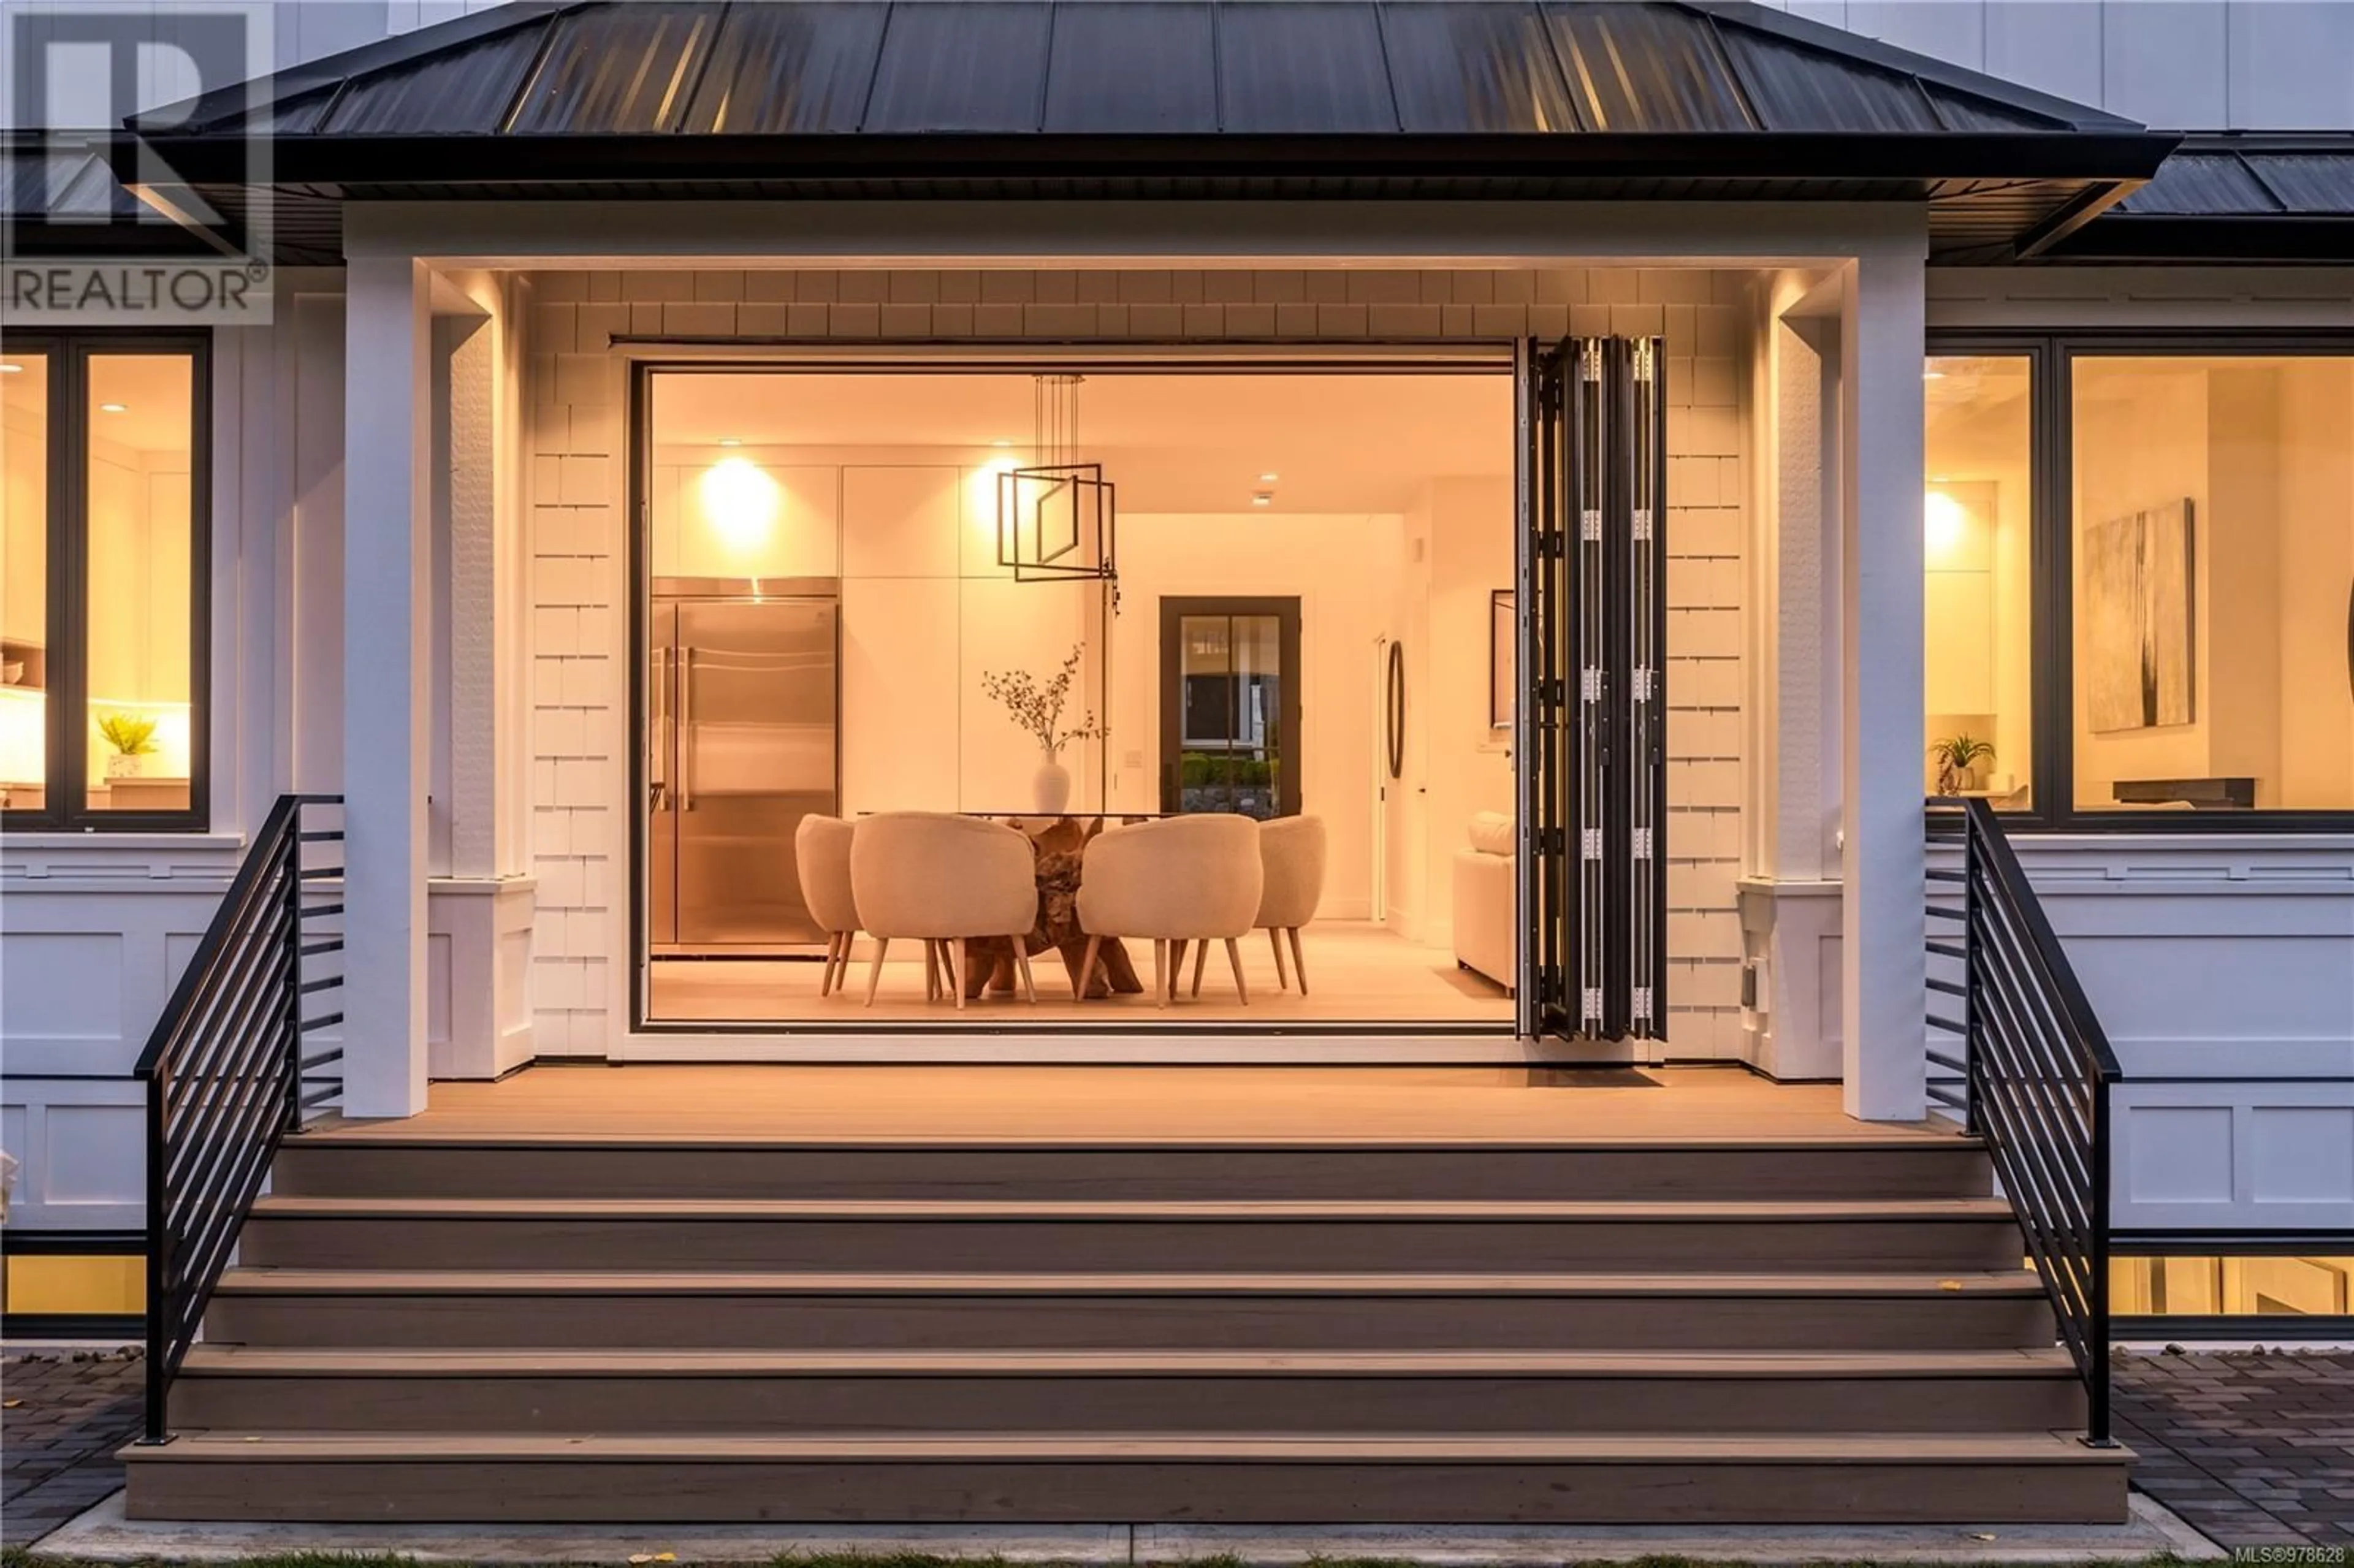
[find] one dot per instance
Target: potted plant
(132, 736)
(1958, 757)
(1037, 710)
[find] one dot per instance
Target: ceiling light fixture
(10, 369)
(1262, 499)
(1056, 520)
(731, 440)
(1933, 375)
(1268, 478)
(114, 409)
(1002, 441)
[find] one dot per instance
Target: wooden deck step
(1334, 1236)
(1168, 1392)
(686, 1310)
(375, 1164)
(1614, 1477)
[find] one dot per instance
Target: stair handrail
(225, 1074)
(2036, 1075)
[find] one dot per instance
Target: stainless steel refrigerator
(742, 742)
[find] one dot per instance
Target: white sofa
(1485, 935)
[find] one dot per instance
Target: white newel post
(387, 676)
(1883, 863)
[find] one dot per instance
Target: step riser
(1322, 1406)
(1256, 1245)
(357, 1170)
(1130, 1322)
(1263, 1492)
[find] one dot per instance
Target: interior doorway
(1291, 521)
(1230, 695)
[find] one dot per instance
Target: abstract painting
(2140, 621)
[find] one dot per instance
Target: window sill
(51, 840)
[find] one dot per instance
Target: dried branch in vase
(1037, 710)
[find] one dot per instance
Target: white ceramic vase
(1051, 788)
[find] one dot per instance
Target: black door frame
(1285, 608)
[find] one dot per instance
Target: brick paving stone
(63, 1414)
(2250, 1447)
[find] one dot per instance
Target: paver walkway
(62, 1415)
(2253, 1450)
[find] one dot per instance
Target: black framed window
(2140, 577)
(103, 581)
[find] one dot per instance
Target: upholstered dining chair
(1174, 881)
(821, 856)
(943, 880)
(1291, 849)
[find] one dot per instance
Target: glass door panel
(1230, 706)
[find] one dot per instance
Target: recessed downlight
(1261, 498)
(1268, 478)
(114, 408)
(731, 440)
(9, 368)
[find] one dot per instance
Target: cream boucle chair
(821, 856)
(1292, 851)
(1178, 880)
(943, 879)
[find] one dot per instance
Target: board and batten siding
(575, 425)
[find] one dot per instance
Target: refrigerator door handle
(684, 790)
(658, 733)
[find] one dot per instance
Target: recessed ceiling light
(731, 442)
(1262, 499)
(1000, 441)
(10, 369)
(1268, 478)
(1933, 375)
(113, 408)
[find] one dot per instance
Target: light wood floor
(1099, 1105)
(1357, 973)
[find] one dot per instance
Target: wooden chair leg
(1201, 951)
(1235, 960)
(1176, 968)
(1159, 972)
(835, 970)
(931, 970)
(875, 975)
(1087, 970)
(1298, 963)
(959, 969)
(1021, 962)
(1275, 940)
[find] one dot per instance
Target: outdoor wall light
(741, 501)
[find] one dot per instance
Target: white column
(1883, 861)
(387, 678)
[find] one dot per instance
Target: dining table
(1058, 841)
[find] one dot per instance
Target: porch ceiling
(1600, 100)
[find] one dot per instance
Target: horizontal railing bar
(1947, 987)
(326, 1021)
(329, 1093)
(323, 1059)
(312, 988)
(1949, 950)
(322, 872)
(1948, 1024)
(321, 910)
(321, 835)
(1951, 1064)
(1939, 873)
(322, 948)
(1944, 914)
(1945, 1097)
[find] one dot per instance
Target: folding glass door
(1591, 722)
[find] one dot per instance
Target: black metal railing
(227, 1070)
(2035, 1080)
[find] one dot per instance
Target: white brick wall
(580, 740)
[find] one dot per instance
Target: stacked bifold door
(1594, 740)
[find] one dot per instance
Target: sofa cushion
(1494, 832)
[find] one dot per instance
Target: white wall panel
(1952, 30)
(2163, 61)
(2292, 65)
(2052, 45)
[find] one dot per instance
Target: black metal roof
(2234, 198)
(944, 99)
